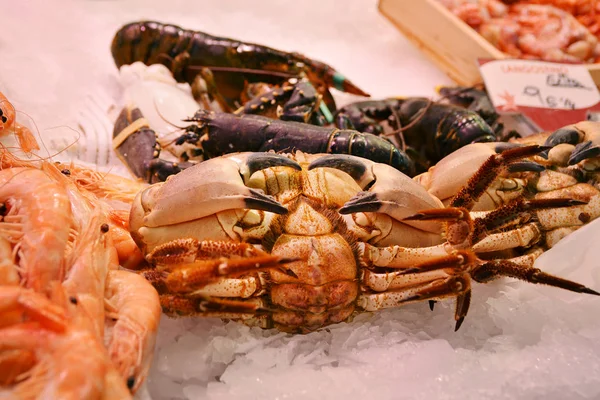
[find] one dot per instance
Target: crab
(299, 241)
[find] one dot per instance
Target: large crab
(302, 241)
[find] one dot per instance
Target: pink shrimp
(18, 305)
(112, 195)
(8, 125)
(476, 12)
(9, 274)
(87, 274)
(36, 220)
(68, 365)
(135, 309)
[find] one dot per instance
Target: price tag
(551, 94)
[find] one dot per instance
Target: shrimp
(8, 269)
(129, 254)
(87, 275)
(18, 305)
(135, 308)
(71, 365)
(113, 195)
(106, 186)
(36, 220)
(546, 30)
(114, 387)
(66, 363)
(8, 125)
(476, 12)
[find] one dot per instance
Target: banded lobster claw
(203, 190)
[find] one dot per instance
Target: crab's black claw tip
(351, 165)
(260, 161)
(526, 166)
(458, 323)
(260, 201)
(362, 202)
(500, 147)
(431, 304)
(589, 291)
(567, 134)
(583, 151)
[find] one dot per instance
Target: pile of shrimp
(587, 12)
(549, 30)
(73, 323)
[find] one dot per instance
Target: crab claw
(388, 190)
(205, 189)
(526, 166)
(584, 135)
(446, 178)
(584, 151)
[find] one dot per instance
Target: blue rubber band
(338, 81)
(326, 113)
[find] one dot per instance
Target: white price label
(514, 83)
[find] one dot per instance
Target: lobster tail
(149, 42)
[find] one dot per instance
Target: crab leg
(450, 286)
(518, 237)
(210, 306)
(209, 268)
(468, 196)
(398, 256)
(186, 278)
(497, 268)
(588, 209)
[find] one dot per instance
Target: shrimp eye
(66, 172)
(73, 300)
(131, 382)
(104, 228)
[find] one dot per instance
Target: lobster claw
(135, 142)
(387, 191)
(205, 189)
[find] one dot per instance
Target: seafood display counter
(234, 200)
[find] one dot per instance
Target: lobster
(152, 121)
(233, 63)
(429, 130)
(214, 134)
(293, 101)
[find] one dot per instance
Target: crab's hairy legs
(451, 283)
(446, 270)
(208, 306)
(497, 268)
(186, 278)
(216, 278)
(468, 196)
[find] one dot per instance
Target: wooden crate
(452, 44)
